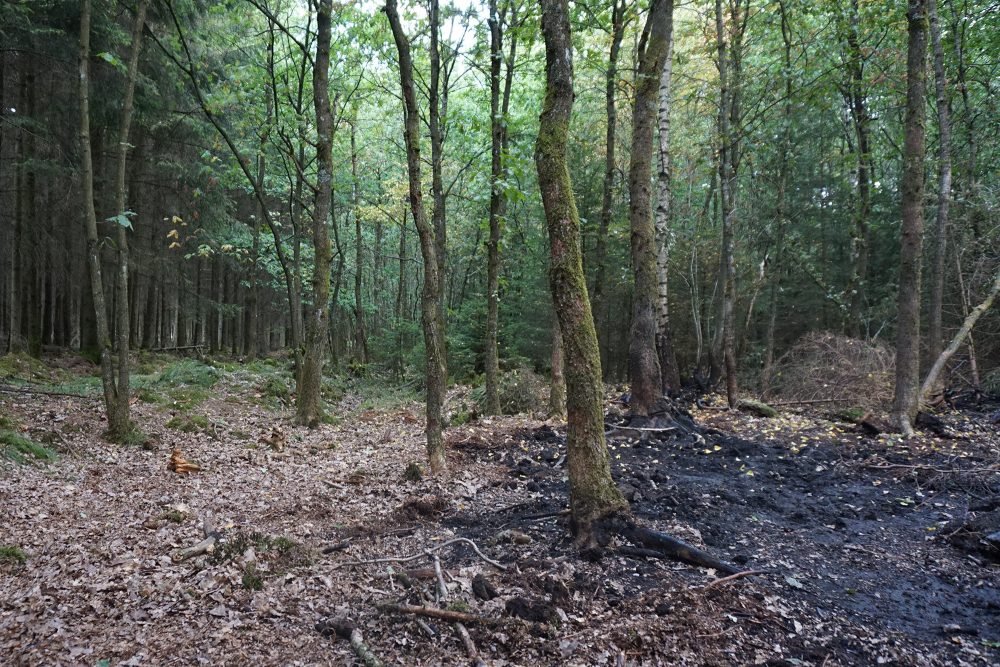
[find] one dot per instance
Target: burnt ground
(865, 535)
(874, 545)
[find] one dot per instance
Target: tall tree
(309, 403)
(644, 363)
(723, 342)
(664, 236)
(906, 401)
(593, 494)
(499, 110)
(360, 338)
(618, 15)
(855, 94)
(430, 310)
(935, 342)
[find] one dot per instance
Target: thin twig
(405, 559)
(733, 577)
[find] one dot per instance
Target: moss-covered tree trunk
(907, 394)
(430, 296)
(557, 385)
(309, 405)
(593, 494)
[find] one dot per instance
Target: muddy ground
(873, 546)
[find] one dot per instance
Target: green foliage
(252, 578)
(21, 450)
(189, 423)
(12, 555)
(189, 372)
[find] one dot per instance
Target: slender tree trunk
(400, 295)
(670, 374)
(498, 200)
(436, 101)
(723, 345)
(593, 493)
(122, 334)
(930, 385)
(782, 203)
(557, 388)
(861, 233)
(431, 318)
(608, 184)
(907, 392)
(644, 364)
(935, 341)
(309, 405)
(117, 422)
(360, 339)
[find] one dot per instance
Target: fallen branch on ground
(423, 554)
(733, 577)
(431, 612)
(347, 630)
(670, 546)
(945, 471)
(8, 389)
(207, 545)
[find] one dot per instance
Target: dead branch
(405, 559)
(8, 389)
(944, 471)
(670, 546)
(432, 612)
(207, 545)
(347, 630)
(733, 577)
(470, 646)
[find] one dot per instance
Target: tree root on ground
(347, 630)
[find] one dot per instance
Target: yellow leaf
(172, 234)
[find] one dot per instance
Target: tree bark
(117, 422)
(309, 405)
(644, 364)
(557, 388)
(935, 341)
(430, 307)
(498, 200)
(593, 493)
(608, 184)
(437, 99)
(723, 343)
(861, 233)
(360, 339)
(670, 374)
(907, 395)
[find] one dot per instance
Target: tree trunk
(437, 99)
(309, 406)
(608, 184)
(122, 334)
(117, 421)
(644, 364)
(430, 308)
(557, 388)
(782, 203)
(725, 334)
(593, 493)
(360, 339)
(861, 233)
(670, 374)
(907, 395)
(934, 333)
(498, 200)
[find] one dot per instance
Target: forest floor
(872, 544)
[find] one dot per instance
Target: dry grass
(842, 370)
